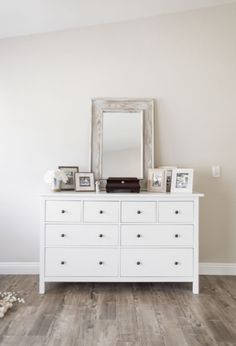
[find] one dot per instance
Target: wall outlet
(216, 171)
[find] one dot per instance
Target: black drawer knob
(100, 263)
(63, 211)
(138, 235)
(138, 263)
(100, 235)
(139, 212)
(176, 263)
(101, 212)
(176, 235)
(176, 211)
(63, 262)
(63, 235)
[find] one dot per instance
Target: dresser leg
(196, 286)
(41, 287)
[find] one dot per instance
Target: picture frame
(70, 172)
(156, 180)
(182, 180)
(84, 181)
(169, 173)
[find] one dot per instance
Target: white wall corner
(19, 268)
(217, 268)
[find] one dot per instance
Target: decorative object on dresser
(122, 138)
(55, 177)
(123, 185)
(146, 237)
(157, 180)
(84, 181)
(182, 180)
(97, 186)
(70, 173)
(169, 172)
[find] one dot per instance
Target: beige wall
(185, 61)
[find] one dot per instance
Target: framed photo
(84, 182)
(70, 173)
(157, 180)
(182, 180)
(169, 172)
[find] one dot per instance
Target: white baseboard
(217, 268)
(21, 268)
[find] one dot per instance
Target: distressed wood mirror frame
(101, 105)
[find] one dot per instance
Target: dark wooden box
(123, 185)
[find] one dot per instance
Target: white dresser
(89, 237)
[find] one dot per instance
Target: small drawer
(176, 212)
(138, 212)
(101, 211)
(157, 262)
(81, 235)
(157, 235)
(66, 211)
(81, 262)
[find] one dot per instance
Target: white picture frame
(182, 180)
(84, 181)
(169, 174)
(156, 180)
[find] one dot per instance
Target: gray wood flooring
(144, 314)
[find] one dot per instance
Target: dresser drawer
(96, 211)
(176, 212)
(81, 235)
(67, 211)
(81, 262)
(138, 212)
(157, 262)
(156, 235)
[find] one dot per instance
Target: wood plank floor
(121, 314)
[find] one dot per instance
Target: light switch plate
(216, 171)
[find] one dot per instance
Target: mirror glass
(122, 144)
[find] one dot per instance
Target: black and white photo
(169, 172)
(69, 171)
(85, 181)
(182, 180)
(157, 180)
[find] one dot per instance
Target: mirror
(122, 138)
(122, 143)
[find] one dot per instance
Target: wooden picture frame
(84, 181)
(70, 171)
(157, 180)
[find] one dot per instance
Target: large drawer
(175, 212)
(96, 211)
(156, 235)
(66, 211)
(81, 262)
(138, 212)
(81, 235)
(156, 262)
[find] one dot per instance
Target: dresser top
(105, 195)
